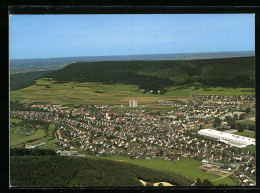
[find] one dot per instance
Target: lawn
(186, 166)
(37, 137)
(15, 120)
(248, 122)
(251, 148)
(246, 134)
(51, 144)
(16, 140)
(250, 114)
(226, 180)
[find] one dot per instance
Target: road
(237, 167)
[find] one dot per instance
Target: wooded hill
(59, 171)
(22, 80)
(227, 72)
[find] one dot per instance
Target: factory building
(228, 138)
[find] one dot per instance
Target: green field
(246, 134)
(251, 148)
(248, 122)
(39, 136)
(250, 114)
(226, 91)
(186, 166)
(20, 139)
(94, 93)
(15, 120)
(226, 180)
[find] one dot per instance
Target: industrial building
(228, 138)
(133, 103)
(34, 146)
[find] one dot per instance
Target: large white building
(228, 138)
(133, 103)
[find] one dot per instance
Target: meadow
(39, 136)
(185, 166)
(16, 139)
(46, 90)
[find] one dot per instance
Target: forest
(62, 171)
(22, 80)
(151, 75)
(228, 72)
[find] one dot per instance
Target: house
(227, 168)
(226, 159)
(218, 157)
(244, 179)
(209, 156)
(193, 154)
(173, 158)
(237, 173)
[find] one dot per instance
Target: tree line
(31, 152)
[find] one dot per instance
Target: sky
(51, 36)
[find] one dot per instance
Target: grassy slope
(56, 171)
(186, 166)
(21, 79)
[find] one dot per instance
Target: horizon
(58, 36)
(130, 55)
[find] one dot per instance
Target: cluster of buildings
(178, 133)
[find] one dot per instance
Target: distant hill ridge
(18, 65)
(225, 72)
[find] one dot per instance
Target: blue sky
(50, 36)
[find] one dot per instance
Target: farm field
(226, 91)
(46, 90)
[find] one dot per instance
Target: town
(105, 130)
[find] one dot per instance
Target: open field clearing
(46, 90)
